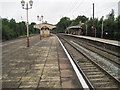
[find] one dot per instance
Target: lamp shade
(42, 17)
(23, 3)
(31, 3)
(38, 17)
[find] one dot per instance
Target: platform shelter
(45, 28)
(77, 30)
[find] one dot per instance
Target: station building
(77, 30)
(45, 28)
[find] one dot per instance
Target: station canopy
(43, 25)
(74, 27)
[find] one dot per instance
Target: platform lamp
(41, 20)
(23, 4)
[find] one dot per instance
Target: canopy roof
(74, 27)
(42, 25)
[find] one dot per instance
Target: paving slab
(43, 65)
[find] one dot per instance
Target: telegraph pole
(93, 11)
(86, 28)
(93, 21)
(102, 27)
(41, 20)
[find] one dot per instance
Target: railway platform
(110, 45)
(112, 42)
(43, 65)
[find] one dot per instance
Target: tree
(63, 24)
(79, 19)
(117, 28)
(109, 25)
(11, 29)
(7, 32)
(32, 30)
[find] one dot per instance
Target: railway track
(111, 56)
(108, 59)
(95, 75)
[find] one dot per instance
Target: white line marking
(80, 77)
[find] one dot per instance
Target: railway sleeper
(85, 67)
(84, 64)
(90, 70)
(88, 65)
(103, 82)
(94, 73)
(105, 85)
(95, 80)
(108, 83)
(93, 76)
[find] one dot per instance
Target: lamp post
(23, 4)
(41, 20)
(86, 28)
(102, 28)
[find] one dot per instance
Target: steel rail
(90, 59)
(81, 79)
(99, 53)
(104, 50)
(108, 51)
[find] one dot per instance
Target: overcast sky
(53, 10)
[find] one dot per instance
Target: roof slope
(39, 26)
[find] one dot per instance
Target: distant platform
(112, 42)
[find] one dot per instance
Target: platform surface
(112, 42)
(43, 64)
